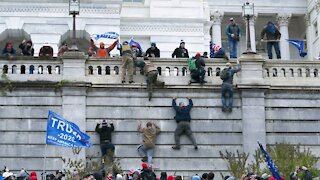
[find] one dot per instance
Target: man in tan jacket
(149, 134)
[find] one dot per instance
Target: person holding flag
(103, 52)
(273, 36)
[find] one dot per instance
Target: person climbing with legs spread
(183, 119)
(226, 76)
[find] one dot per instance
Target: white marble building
(165, 22)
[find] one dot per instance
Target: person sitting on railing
(46, 51)
(227, 86)
(181, 51)
(8, 51)
(151, 72)
(103, 52)
(197, 75)
(26, 48)
(153, 51)
(273, 37)
(63, 49)
(219, 52)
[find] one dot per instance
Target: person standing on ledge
(183, 119)
(181, 51)
(273, 37)
(104, 129)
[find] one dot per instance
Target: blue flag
(61, 132)
(272, 166)
(135, 43)
(300, 45)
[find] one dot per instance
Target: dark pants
(221, 54)
(227, 95)
(276, 48)
(183, 128)
(198, 75)
(107, 148)
(152, 77)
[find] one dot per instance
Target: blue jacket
(182, 114)
(233, 30)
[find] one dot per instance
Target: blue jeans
(233, 48)
(107, 148)
(143, 151)
(227, 95)
(276, 48)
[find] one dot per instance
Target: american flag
(272, 166)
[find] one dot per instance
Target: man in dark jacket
(181, 51)
(183, 119)
(104, 129)
(46, 51)
(26, 48)
(227, 87)
(233, 33)
(199, 74)
(273, 37)
(153, 51)
(8, 51)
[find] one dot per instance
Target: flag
(211, 50)
(300, 45)
(272, 166)
(61, 132)
(135, 43)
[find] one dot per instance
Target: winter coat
(149, 135)
(104, 132)
(182, 113)
(155, 51)
(180, 53)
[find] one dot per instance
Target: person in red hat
(147, 173)
(198, 75)
(8, 51)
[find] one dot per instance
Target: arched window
(209, 71)
(283, 72)
(99, 69)
(291, 72)
(14, 69)
(167, 72)
(299, 73)
(274, 72)
(116, 70)
(5, 69)
(31, 69)
(107, 70)
(40, 69)
(176, 71)
(159, 70)
(49, 69)
(307, 72)
(90, 70)
(22, 69)
(267, 73)
(57, 69)
(184, 71)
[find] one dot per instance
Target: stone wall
(275, 101)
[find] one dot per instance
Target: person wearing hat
(103, 52)
(8, 51)
(219, 52)
(149, 136)
(226, 76)
(26, 48)
(199, 74)
(127, 62)
(147, 173)
(273, 37)
(7, 176)
(153, 51)
(233, 33)
(104, 129)
(46, 50)
(183, 119)
(181, 51)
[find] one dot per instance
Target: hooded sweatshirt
(33, 176)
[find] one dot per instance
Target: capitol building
(165, 22)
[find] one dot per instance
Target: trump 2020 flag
(272, 166)
(135, 43)
(61, 132)
(300, 45)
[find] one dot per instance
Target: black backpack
(225, 74)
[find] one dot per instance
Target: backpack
(192, 64)
(225, 74)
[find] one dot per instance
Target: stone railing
(255, 70)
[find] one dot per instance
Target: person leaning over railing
(26, 48)
(63, 49)
(199, 73)
(153, 51)
(8, 51)
(46, 51)
(181, 51)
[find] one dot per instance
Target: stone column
(216, 18)
(253, 33)
(207, 37)
(309, 37)
(252, 89)
(74, 95)
(283, 20)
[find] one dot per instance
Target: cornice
(159, 28)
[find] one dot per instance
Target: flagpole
(44, 163)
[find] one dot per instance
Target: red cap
(144, 166)
(198, 55)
